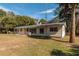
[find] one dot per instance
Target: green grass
(22, 45)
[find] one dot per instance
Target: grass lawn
(21, 45)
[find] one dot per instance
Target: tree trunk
(72, 29)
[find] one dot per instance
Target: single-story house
(50, 29)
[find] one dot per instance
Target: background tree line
(8, 21)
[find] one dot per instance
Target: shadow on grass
(60, 40)
(40, 37)
(74, 51)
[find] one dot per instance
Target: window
(53, 29)
(21, 29)
(16, 30)
(41, 30)
(27, 29)
(33, 31)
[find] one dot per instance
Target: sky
(35, 10)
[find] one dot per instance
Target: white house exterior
(50, 29)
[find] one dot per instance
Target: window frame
(53, 29)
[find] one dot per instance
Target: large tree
(66, 12)
(72, 29)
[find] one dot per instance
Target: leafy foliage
(43, 21)
(9, 20)
(63, 12)
(2, 13)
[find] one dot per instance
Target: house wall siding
(59, 33)
(56, 34)
(48, 33)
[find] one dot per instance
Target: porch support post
(19, 30)
(37, 30)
